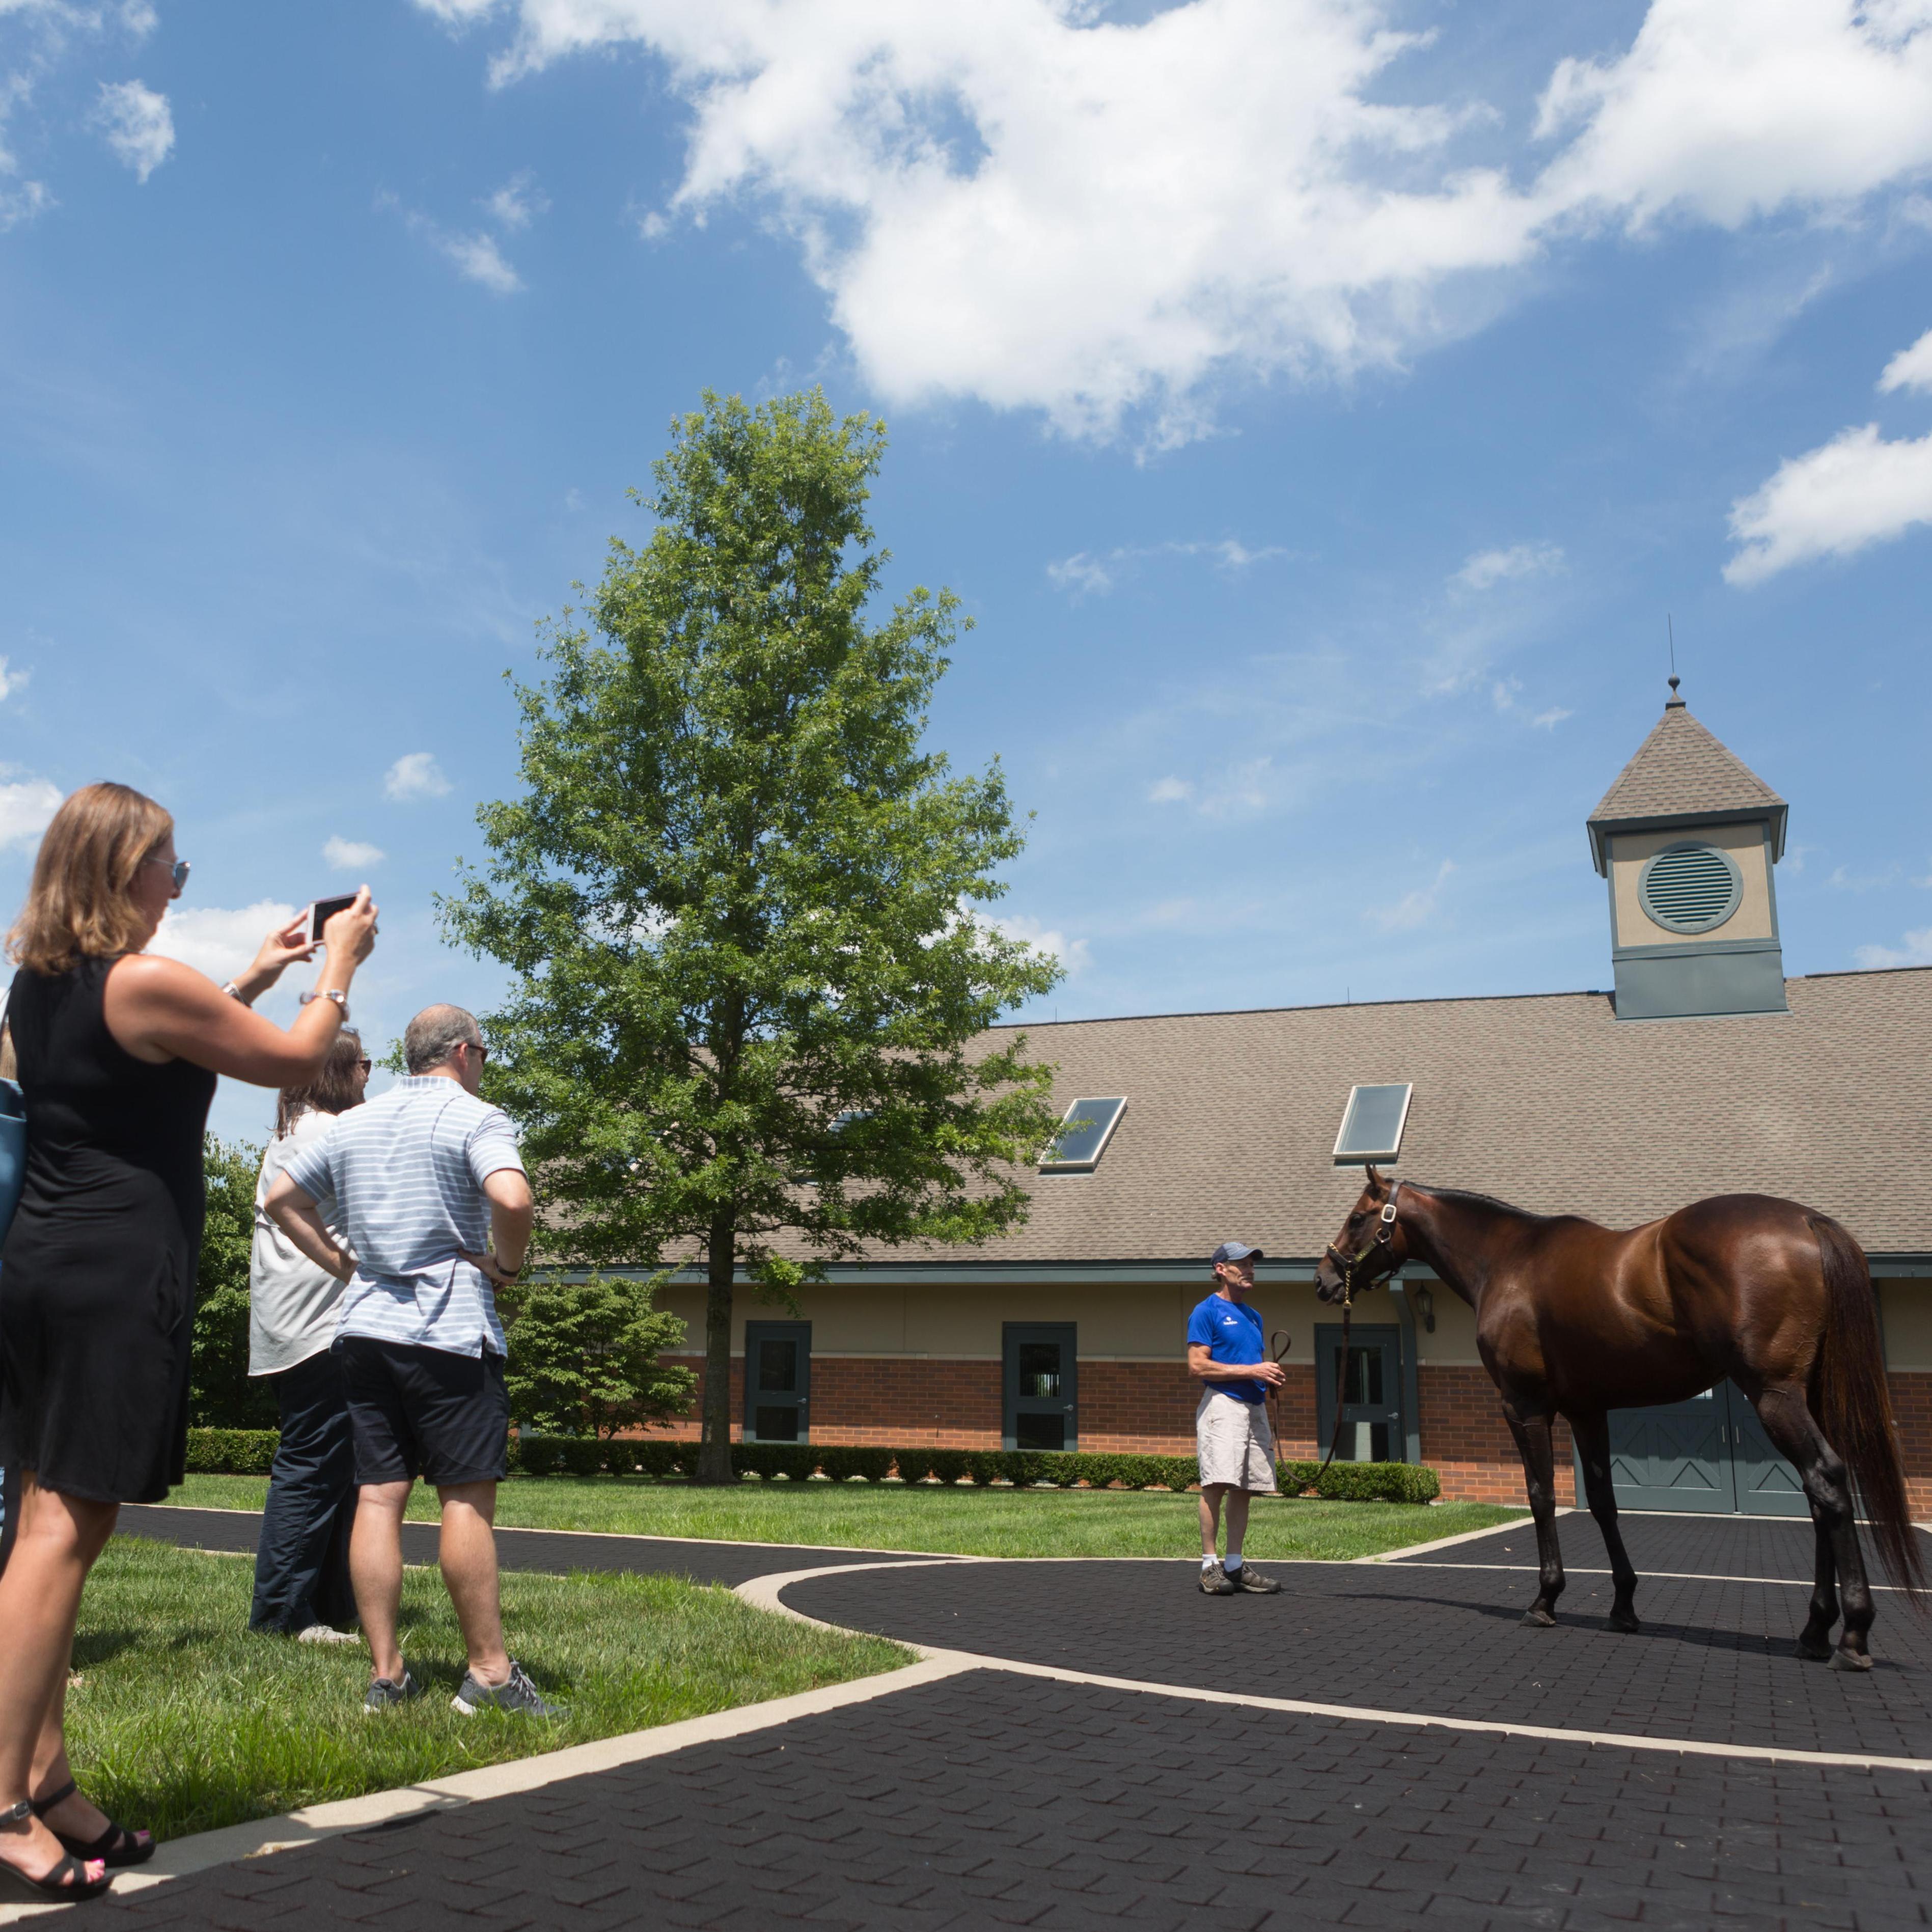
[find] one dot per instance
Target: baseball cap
(1236, 1251)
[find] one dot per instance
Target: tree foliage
(737, 895)
(221, 1394)
(584, 1356)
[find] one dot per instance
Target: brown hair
(81, 902)
(332, 1091)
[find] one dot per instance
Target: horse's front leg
(1532, 1431)
(1593, 1443)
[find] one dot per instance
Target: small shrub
(795, 1459)
(1377, 1482)
(232, 1452)
(843, 1462)
(948, 1465)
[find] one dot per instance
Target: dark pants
(301, 1564)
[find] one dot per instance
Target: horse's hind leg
(1789, 1422)
(1593, 1442)
(1532, 1442)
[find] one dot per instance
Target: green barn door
(1675, 1457)
(1767, 1484)
(1708, 1455)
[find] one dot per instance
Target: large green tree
(739, 896)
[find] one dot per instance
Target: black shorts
(425, 1412)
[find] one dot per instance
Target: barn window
(1084, 1132)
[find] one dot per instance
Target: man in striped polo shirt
(418, 1180)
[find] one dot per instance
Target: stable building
(1704, 1070)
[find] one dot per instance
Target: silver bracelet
(234, 992)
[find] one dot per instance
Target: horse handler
(1231, 1435)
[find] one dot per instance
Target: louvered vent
(1691, 888)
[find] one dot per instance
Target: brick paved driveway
(993, 1798)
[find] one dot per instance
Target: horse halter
(1349, 1266)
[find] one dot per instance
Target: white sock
(1208, 1562)
(1232, 1561)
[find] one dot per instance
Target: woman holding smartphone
(118, 1053)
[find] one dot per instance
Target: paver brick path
(1713, 1662)
(553, 1553)
(1732, 1546)
(992, 1798)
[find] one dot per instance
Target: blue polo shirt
(1231, 1332)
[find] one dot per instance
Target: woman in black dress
(118, 1054)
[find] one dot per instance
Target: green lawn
(966, 1522)
(181, 1719)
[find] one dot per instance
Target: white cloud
(1488, 568)
(1548, 721)
(1074, 955)
(1910, 368)
(1084, 573)
(1856, 489)
(350, 855)
(27, 806)
(10, 680)
(1917, 951)
(137, 124)
(517, 202)
(1170, 791)
(1414, 908)
(1080, 574)
(1031, 203)
(476, 258)
(216, 941)
(415, 775)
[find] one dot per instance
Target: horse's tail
(1853, 1405)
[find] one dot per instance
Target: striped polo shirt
(406, 1172)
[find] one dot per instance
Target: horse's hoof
(1850, 1659)
(1625, 1625)
(1538, 1620)
(1812, 1653)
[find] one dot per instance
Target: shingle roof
(1548, 1101)
(1681, 769)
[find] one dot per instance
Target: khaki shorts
(1234, 1443)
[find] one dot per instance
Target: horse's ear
(1375, 1179)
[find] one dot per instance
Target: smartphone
(323, 910)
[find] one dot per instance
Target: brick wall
(1911, 1410)
(1466, 1441)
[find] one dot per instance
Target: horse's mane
(1464, 1197)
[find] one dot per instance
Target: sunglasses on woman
(178, 871)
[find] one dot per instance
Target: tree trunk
(714, 1454)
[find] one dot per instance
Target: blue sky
(1319, 406)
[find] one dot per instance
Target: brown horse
(1575, 1320)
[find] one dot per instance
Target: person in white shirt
(301, 1563)
(420, 1178)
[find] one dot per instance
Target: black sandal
(116, 1848)
(67, 1884)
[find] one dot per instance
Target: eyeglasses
(178, 871)
(365, 1064)
(476, 1047)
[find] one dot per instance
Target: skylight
(1372, 1124)
(1084, 1134)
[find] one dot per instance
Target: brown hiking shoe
(1215, 1582)
(1248, 1578)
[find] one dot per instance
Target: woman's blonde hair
(82, 900)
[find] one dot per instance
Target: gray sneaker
(384, 1694)
(1215, 1582)
(518, 1694)
(1248, 1578)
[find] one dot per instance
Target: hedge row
(248, 1452)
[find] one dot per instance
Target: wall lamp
(1425, 1306)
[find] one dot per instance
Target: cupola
(1687, 837)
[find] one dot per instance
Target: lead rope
(1341, 1376)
